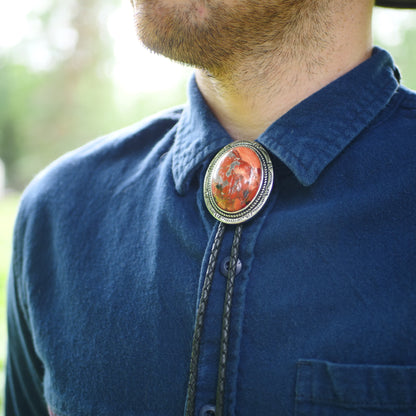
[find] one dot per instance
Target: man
(129, 296)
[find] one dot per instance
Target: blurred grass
(8, 208)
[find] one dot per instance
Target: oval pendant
(238, 182)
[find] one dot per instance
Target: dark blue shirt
(112, 243)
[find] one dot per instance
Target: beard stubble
(217, 35)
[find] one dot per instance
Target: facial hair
(215, 35)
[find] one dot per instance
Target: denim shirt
(112, 243)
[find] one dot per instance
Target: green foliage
(17, 88)
(405, 56)
(8, 207)
(403, 49)
(57, 102)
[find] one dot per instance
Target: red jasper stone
(236, 179)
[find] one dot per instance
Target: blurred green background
(71, 71)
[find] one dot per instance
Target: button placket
(219, 200)
(211, 333)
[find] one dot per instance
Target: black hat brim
(398, 4)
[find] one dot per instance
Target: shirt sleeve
(24, 370)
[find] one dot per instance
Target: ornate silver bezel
(262, 194)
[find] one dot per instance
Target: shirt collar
(308, 137)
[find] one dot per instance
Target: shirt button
(225, 264)
(207, 410)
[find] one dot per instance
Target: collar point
(181, 184)
(307, 178)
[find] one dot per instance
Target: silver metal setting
(261, 196)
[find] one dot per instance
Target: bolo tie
(237, 184)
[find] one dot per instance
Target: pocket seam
(306, 379)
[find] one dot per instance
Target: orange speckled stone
(236, 179)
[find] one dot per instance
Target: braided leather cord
(226, 316)
(196, 341)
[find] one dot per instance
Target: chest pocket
(328, 389)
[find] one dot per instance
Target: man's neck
(253, 94)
